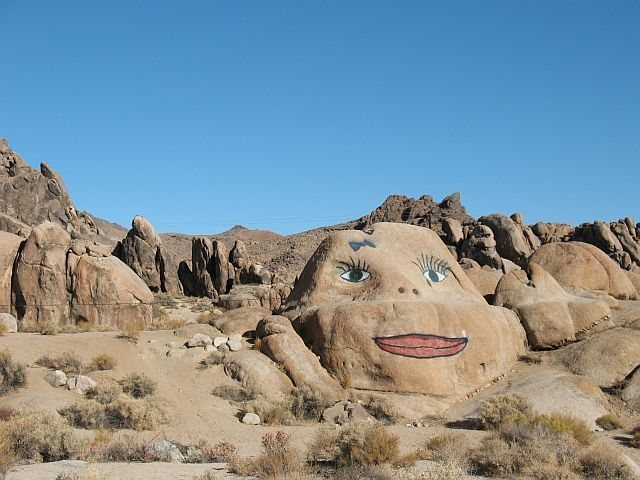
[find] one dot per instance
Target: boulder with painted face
(389, 309)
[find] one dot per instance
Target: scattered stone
(167, 451)
(224, 348)
(344, 412)
(251, 419)
(199, 340)
(235, 342)
(81, 384)
(218, 341)
(210, 348)
(57, 378)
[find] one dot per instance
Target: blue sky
(287, 115)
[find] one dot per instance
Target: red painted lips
(416, 345)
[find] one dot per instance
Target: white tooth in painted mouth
(464, 333)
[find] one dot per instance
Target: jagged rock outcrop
(424, 211)
(31, 197)
(143, 252)
(549, 232)
(480, 245)
(201, 255)
(510, 239)
(61, 283)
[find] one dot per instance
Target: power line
(163, 302)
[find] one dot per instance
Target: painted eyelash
(352, 265)
(428, 262)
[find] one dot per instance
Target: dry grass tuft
(635, 439)
(49, 328)
(504, 408)
(601, 462)
(233, 393)
(138, 385)
(279, 458)
(213, 359)
(132, 329)
(451, 448)
(101, 362)
(355, 444)
(136, 414)
(610, 421)
(6, 412)
(38, 436)
(3, 330)
(68, 362)
(13, 374)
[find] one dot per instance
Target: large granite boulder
(61, 283)
(39, 283)
(9, 246)
(580, 267)
(105, 293)
(143, 252)
(550, 232)
(549, 314)
(390, 310)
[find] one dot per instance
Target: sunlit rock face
(389, 309)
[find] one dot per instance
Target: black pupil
(356, 275)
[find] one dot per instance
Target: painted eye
(355, 275)
(434, 269)
(434, 276)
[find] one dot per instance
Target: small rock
(251, 419)
(9, 322)
(216, 312)
(166, 451)
(56, 378)
(210, 348)
(217, 341)
(234, 344)
(224, 348)
(81, 384)
(199, 340)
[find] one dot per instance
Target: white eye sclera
(355, 275)
(434, 276)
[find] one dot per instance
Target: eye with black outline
(354, 272)
(434, 269)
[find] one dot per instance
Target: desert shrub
(495, 457)
(13, 374)
(49, 327)
(127, 448)
(356, 443)
(278, 458)
(101, 362)
(635, 439)
(307, 404)
(443, 471)
(610, 421)
(565, 424)
(208, 475)
(3, 330)
(220, 452)
(233, 393)
(105, 393)
(87, 414)
(39, 436)
(450, 448)
(500, 409)
(531, 359)
(138, 385)
(213, 359)
(602, 462)
(161, 320)
(68, 362)
(271, 412)
(6, 412)
(206, 317)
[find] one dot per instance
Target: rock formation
(480, 245)
(392, 311)
(424, 211)
(578, 267)
(31, 197)
(549, 314)
(143, 252)
(63, 283)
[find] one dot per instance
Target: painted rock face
(389, 309)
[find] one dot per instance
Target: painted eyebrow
(358, 245)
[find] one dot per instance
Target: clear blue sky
(287, 115)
